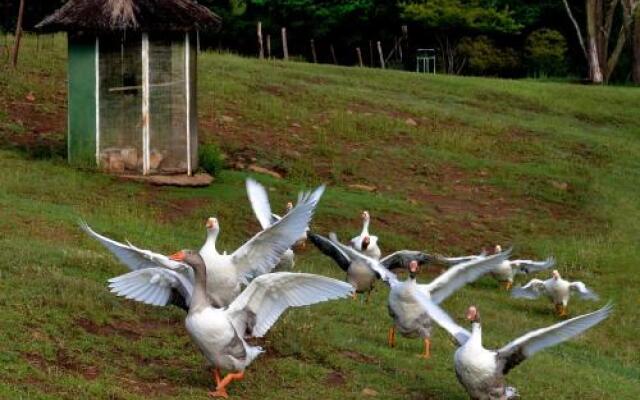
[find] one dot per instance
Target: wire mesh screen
(193, 104)
(120, 103)
(168, 105)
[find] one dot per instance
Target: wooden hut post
(285, 48)
(359, 53)
(260, 46)
(16, 45)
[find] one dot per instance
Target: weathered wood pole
(333, 54)
(260, 45)
(16, 46)
(381, 55)
(313, 52)
(359, 53)
(285, 48)
(371, 53)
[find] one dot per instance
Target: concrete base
(197, 180)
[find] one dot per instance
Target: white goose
(409, 317)
(508, 269)
(226, 272)
(558, 290)
(259, 200)
(482, 371)
(364, 242)
(220, 333)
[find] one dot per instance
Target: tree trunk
(593, 51)
(16, 46)
(635, 45)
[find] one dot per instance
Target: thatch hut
(132, 82)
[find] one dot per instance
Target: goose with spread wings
(506, 271)
(219, 333)
(259, 200)
(365, 242)
(558, 290)
(226, 272)
(409, 317)
(482, 371)
(361, 269)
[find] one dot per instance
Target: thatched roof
(136, 15)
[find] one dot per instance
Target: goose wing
(155, 286)
(530, 266)
(131, 256)
(583, 291)
(259, 200)
(461, 274)
(525, 346)
(457, 260)
(328, 248)
(531, 290)
(402, 258)
(263, 252)
(440, 316)
(382, 272)
(260, 305)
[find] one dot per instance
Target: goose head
(213, 227)
(191, 258)
(366, 242)
(414, 268)
(289, 206)
(365, 216)
(473, 315)
(497, 249)
(556, 274)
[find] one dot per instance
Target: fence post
(381, 55)
(269, 46)
(359, 56)
(260, 45)
(333, 54)
(285, 48)
(313, 52)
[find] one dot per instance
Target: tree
(601, 16)
(16, 46)
(450, 20)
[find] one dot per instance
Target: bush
(485, 58)
(211, 158)
(545, 52)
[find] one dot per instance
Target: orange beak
(179, 256)
(209, 223)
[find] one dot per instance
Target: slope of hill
(456, 164)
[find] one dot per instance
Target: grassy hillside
(457, 164)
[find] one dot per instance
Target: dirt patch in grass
(170, 210)
(129, 330)
(359, 357)
(335, 378)
(147, 389)
(65, 361)
(38, 132)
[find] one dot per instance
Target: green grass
(549, 167)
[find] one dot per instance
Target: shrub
(485, 58)
(211, 158)
(545, 52)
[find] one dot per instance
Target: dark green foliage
(546, 52)
(211, 158)
(483, 57)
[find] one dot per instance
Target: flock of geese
(230, 298)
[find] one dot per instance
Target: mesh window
(193, 77)
(120, 70)
(167, 103)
